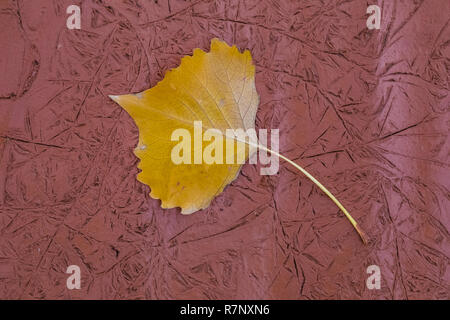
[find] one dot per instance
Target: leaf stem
(317, 183)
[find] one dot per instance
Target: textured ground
(366, 111)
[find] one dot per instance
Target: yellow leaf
(217, 88)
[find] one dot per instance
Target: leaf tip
(114, 98)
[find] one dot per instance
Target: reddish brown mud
(365, 111)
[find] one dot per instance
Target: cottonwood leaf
(218, 89)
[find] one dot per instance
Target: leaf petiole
(361, 233)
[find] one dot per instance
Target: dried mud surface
(365, 111)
